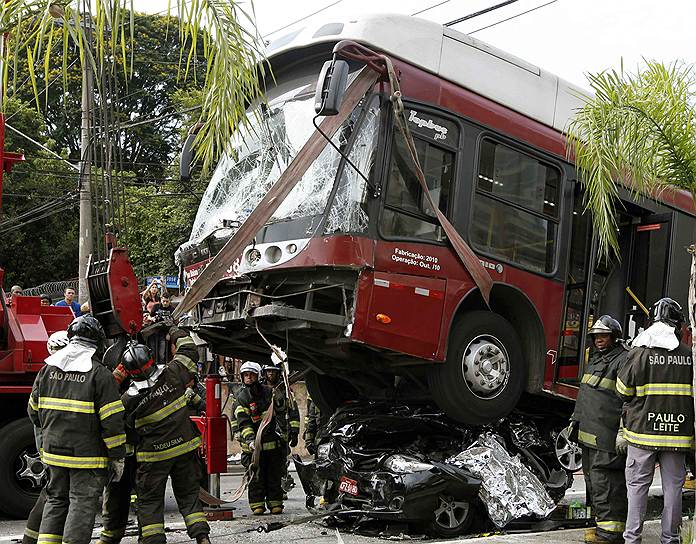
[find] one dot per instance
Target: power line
(513, 17)
(430, 7)
(481, 12)
(40, 145)
(303, 18)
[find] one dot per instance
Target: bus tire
(328, 393)
(17, 447)
(484, 373)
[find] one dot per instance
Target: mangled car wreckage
(398, 464)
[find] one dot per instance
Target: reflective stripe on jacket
(159, 415)
(80, 415)
(656, 385)
(598, 408)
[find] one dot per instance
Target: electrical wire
(302, 18)
(480, 12)
(513, 17)
(431, 7)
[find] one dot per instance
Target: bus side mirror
(331, 87)
(186, 159)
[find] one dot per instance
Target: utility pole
(86, 228)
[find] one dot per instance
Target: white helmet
(57, 341)
(250, 366)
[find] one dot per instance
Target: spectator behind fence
(70, 301)
(45, 300)
(151, 296)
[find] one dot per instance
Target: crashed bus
(354, 274)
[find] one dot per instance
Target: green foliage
(159, 220)
(638, 130)
(46, 249)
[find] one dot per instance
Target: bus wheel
(484, 373)
(328, 393)
(22, 474)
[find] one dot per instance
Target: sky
(566, 37)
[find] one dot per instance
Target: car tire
(328, 393)
(17, 447)
(484, 373)
(452, 517)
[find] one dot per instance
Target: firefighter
(656, 386)
(253, 401)
(311, 421)
(76, 403)
(57, 341)
(289, 426)
(166, 439)
(596, 423)
(117, 495)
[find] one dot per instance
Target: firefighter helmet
(137, 360)
(250, 366)
(270, 366)
(57, 341)
(87, 329)
(606, 325)
(668, 311)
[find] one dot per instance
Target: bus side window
(407, 213)
(515, 214)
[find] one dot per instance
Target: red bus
(354, 276)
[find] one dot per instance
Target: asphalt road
(244, 527)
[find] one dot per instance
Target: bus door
(648, 269)
(624, 287)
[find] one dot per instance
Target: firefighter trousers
(606, 491)
(150, 484)
(640, 469)
(31, 532)
(72, 502)
(116, 506)
(265, 488)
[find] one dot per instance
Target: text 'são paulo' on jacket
(76, 403)
(656, 385)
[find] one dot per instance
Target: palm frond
(232, 53)
(638, 130)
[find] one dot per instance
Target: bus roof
(463, 60)
(457, 57)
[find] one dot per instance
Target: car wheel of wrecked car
(568, 453)
(328, 393)
(484, 373)
(452, 517)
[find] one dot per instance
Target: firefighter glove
(293, 440)
(312, 448)
(191, 396)
(116, 467)
(621, 443)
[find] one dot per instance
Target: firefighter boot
(591, 536)
(277, 509)
(202, 539)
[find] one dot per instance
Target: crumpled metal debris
(509, 490)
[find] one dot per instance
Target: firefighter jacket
(311, 422)
(598, 408)
(289, 423)
(79, 412)
(656, 385)
(157, 410)
(250, 409)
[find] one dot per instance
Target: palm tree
(37, 29)
(638, 130)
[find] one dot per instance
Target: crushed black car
(400, 464)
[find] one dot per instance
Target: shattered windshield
(258, 155)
